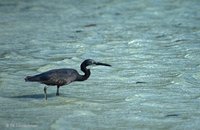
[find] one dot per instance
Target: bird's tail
(30, 79)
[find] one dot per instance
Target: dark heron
(60, 77)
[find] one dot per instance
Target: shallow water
(153, 47)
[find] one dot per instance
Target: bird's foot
(57, 93)
(45, 92)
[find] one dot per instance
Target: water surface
(153, 46)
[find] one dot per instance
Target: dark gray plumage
(60, 77)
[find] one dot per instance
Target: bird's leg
(45, 92)
(57, 93)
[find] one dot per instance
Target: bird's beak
(104, 64)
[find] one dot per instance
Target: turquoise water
(152, 45)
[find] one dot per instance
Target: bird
(63, 76)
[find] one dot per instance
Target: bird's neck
(86, 75)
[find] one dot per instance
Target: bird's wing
(58, 77)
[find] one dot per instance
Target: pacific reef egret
(64, 76)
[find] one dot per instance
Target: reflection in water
(34, 96)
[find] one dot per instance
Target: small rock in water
(140, 82)
(172, 115)
(90, 25)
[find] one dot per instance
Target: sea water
(152, 45)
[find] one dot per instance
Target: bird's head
(92, 62)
